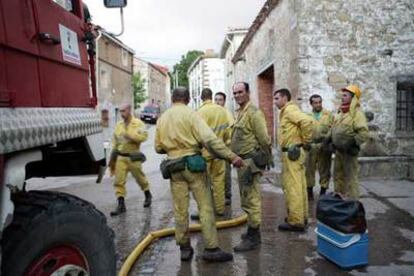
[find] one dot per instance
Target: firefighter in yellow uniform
(319, 158)
(216, 118)
(220, 99)
(250, 140)
(349, 132)
(181, 133)
(128, 136)
(294, 133)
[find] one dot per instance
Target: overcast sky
(163, 30)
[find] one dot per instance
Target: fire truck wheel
(57, 233)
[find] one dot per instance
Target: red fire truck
(49, 127)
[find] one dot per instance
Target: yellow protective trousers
(250, 198)
(346, 171)
(122, 167)
(318, 160)
(181, 184)
(216, 169)
(294, 188)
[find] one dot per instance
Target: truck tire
(56, 232)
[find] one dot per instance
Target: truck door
(63, 60)
(19, 75)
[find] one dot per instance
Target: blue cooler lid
(338, 238)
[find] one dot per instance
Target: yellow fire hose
(140, 248)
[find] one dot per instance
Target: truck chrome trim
(25, 128)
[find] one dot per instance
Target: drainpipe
(98, 76)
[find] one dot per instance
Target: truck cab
(49, 126)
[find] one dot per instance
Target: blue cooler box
(345, 250)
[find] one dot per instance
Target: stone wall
(367, 42)
(275, 43)
(320, 46)
(274, 47)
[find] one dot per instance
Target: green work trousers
(318, 160)
(251, 201)
(346, 170)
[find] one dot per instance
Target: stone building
(157, 83)
(114, 76)
(207, 71)
(232, 41)
(319, 46)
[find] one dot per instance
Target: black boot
(251, 240)
(310, 193)
(289, 227)
(195, 216)
(245, 234)
(186, 252)
(306, 221)
(148, 199)
(120, 208)
(216, 255)
(323, 191)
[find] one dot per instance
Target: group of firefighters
(200, 146)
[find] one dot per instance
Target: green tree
(138, 89)
(181, 68)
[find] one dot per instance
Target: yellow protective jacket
(249, 131)
(295, 127)
(217, 119)
(137, 134)
(322, 127)
(181, 131)
(229, 117)
(350, 127)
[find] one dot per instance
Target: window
(152, 109)
(405, 106)
(66, 4)
(124, 57)
(104, 78)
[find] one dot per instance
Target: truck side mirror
(115, 3)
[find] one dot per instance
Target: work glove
(112, 162)
(246, 176)
(111, 167)
(327, 145)
(352, 148)
(307, 146)
(326, 141)
(318, 140)
(293, 153)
